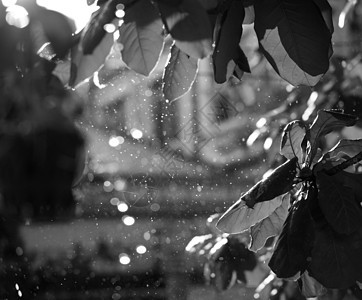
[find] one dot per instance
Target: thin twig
(349, 162)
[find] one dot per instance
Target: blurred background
(152, 175)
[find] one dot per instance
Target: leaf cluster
(226, 258)
(313, 202)
(294, 37)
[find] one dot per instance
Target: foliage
(299, 51)
(321, 233)
(226, 258)
(41, 147)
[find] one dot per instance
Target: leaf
(297, 49)
(326, 11)
(276, 183)
(234, 258)
(189, 26)
(179, 75)
(57, 28)
(336, 259)
(349, 147)
(339, 200)
(94, 32)
(83, 66)
(270, 226)
(326, 122)
(292, 138)
(227, 38)
(141, 36)
(310, 287)
(249, 15)
(239, 217)
(295, 242)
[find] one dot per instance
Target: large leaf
(326, 122)
(276, 183)
(326, 11)
(227, 39)
(310, 287)
(292, 138)
(179, 75)
(295, 242)
(57, 29)
(327, 15)
(339, 199)
(94, 32)
(270, 226)
(83, 66)
(141, 36)
(336, 259)
(294, 38)
(188, 23)
(240, 217)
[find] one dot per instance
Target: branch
(349, 162)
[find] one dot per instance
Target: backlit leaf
(189, 26)
(295, 242)
(270, 226)
(336, 259)
(340, 201)
(141, 36)
(297, 47)
(310, 287)
(239, 217)
(83, 66)
(227, 39)
(292, 138)
(326, 122)
(179, 74)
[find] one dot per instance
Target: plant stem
(349, 162)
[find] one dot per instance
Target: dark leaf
(209, 4)
(141, 36)
(227, 38)
(57, 28)
(326, 122)
(294, 38)
(295, 242)
(326, 11)
(179, 75)
(239, 217)
(278, 182)
(189, 26)
(94, 31)
(270, 226)
(336, 259)
(292, 138)
(232, 262)
(310, 287)
(339, 198)
(241, 61)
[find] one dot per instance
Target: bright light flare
(124, 259)
(17, 16)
